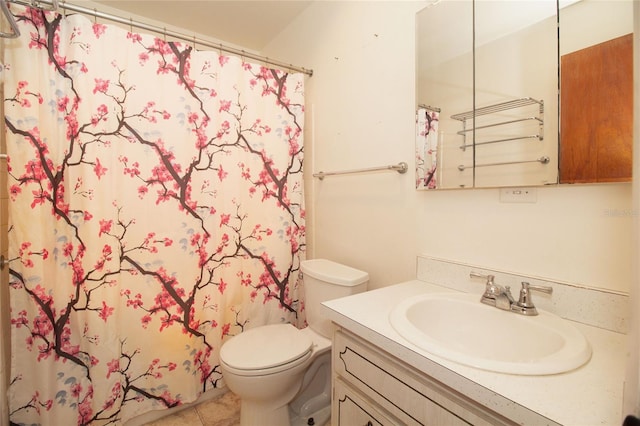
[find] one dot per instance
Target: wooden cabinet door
(355, 410)
(596, 110)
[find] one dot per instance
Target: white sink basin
(459, 328)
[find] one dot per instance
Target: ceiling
(246, 24)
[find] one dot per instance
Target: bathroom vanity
(369, 384)
(382, 379)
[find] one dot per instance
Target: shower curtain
(156, 208)
(426, 148)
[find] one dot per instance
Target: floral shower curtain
(155, 208)
(427, 148)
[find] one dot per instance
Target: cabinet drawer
(353, 409)
(412, 397)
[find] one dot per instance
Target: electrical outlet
(518, 195)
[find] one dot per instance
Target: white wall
(360, 113)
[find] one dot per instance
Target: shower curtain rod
(163, 31)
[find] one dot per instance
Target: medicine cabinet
(490, 110)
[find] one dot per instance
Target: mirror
(445, 87)
(510, 80)
(488, 114)
(516, 91)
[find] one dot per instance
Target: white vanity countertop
(589, 395)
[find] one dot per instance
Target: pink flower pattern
(136, 210)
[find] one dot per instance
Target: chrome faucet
(501, 298)
(494, 294)
(525, 305)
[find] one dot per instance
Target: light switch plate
(518, 195)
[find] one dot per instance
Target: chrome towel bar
(400, 168)
(541, 160)
(500, 107)
(463, 147)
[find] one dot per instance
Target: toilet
(282, 374)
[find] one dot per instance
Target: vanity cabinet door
(352, 409)
(396, 388)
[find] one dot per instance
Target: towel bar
(541, 160)
(400, 168)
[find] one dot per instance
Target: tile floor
(223, 410)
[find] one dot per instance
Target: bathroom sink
(459, 328)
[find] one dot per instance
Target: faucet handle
(525, 303)
(541, 288)
(489, 278)
(491, 290)
(526, 287)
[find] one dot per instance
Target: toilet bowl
(282, 374)
(266, 366)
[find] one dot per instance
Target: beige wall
(360, 113)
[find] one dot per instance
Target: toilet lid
(265, 347)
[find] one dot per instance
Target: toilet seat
(267, 349)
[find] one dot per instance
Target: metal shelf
(495, 108)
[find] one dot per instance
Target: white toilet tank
(326, 280)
